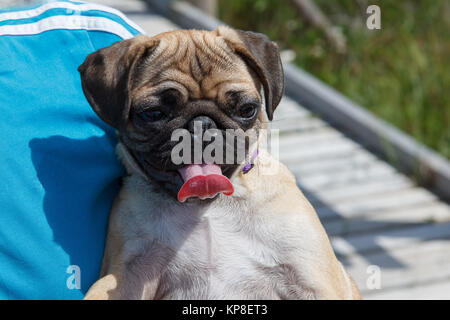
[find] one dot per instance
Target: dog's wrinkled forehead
(199, 64)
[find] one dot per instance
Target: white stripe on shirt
(25, 14)
(68, 22)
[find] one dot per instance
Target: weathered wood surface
(374, 215)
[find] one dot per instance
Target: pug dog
(203, 230)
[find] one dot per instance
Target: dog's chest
(222, 252)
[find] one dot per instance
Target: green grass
(400, 73)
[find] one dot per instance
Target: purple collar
(250, 164)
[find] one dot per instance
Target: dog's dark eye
(247, 110)
(151, 115)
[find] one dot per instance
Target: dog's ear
(262, 56)
(106, 77)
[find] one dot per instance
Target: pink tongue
(203, 181)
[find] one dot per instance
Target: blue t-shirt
(58, 170)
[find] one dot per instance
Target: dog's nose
(204, 121)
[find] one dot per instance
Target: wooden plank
(356, 155)
(319, 135)
(342, 162)
(292, 153)
(417, 265)
(289, 108)
(152, 24)
(342, 178)
(353, 164)
(433, 290)
(138, 12)
(298, 125)
(434, 212)
(363, 188)
(376, 203)
(370, 202)
(388, 240)
(301, 140)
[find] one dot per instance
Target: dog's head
(147, 87)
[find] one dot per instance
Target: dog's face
(148, 87)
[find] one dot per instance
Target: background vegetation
(401, 72)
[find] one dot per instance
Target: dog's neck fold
(171, 182)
